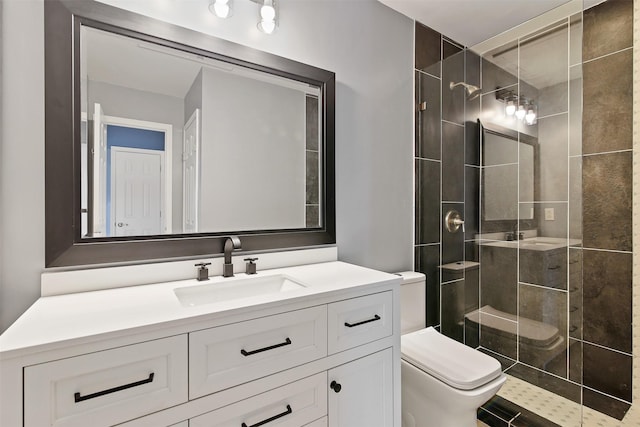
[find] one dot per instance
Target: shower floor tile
(560, 410)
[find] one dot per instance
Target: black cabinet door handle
(77, 398)
(260, 350)
(268, 420)
(335, 386)
(351, 325)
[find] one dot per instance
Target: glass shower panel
(530, 253)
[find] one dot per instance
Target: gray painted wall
(22, 162)
(374, 125)
(252, 144)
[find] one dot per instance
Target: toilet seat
(449, 361)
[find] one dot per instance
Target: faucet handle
(202, 264)
(251, 266)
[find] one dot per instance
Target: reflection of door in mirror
(131, 188)
(135, 197)
(191, 173)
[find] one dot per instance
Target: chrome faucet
(231, 243)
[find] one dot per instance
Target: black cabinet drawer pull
(260, 350)
(351, 325)
(79, 398)
(335, 386)
(268, 420)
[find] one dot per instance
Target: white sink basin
(231, 289)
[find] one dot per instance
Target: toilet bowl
(443, 381)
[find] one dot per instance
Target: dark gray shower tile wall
(427, 261)
(607, 371)
(427, 201)
(606, 203)
(471, 206)
(453, 298)
(452, 162)
(428, 129)
(608, 27)
(453, 72)
(607, 214)
(428, 50)
(607, 173)
(607, 112)
(607, 292)
(452, 242)
(445, 143)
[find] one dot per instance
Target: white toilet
(444, 382)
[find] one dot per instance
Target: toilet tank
(413, 300)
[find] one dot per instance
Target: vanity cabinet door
(361, 392)
(233, 354)
(357, 321)
(107, 387)
(293, 405)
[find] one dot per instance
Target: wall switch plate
(549, 214)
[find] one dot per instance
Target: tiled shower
(555, 307)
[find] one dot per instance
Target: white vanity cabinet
(329, 358)
(362, 392)
(107, 387)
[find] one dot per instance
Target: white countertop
(53, 320)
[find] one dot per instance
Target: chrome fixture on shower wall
(268, 15)
(520, 106)
(472, 91)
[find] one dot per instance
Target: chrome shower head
(472, 91)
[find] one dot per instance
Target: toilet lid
(448, 360)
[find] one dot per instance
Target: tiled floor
(560, 410)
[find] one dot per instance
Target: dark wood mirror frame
(63, 241)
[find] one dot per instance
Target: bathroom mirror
(510, 178)
(160, 141)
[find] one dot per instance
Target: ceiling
(470, 22)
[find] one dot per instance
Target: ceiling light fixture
(221, 8)
(267, 23)
(268, 17)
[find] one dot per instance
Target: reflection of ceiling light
(517, 105)
(221, 8)
(510, 109)
(530, 117)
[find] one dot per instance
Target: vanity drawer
(229, 355)
(322, 422)
(295, 404)
(107, 387)
(357, 321)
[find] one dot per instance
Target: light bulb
(510, 109)
(521, 112)
(221, 8)
(267, 23)
(267, 26)
(267, 11)
(530, 117)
